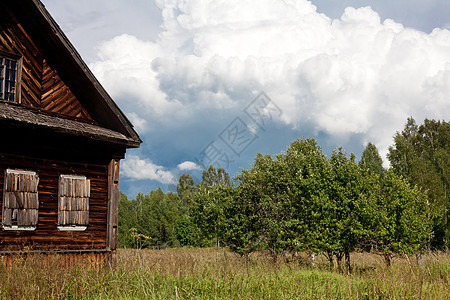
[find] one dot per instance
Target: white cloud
(137, 168)
(353, 75)
(188, 166)
(139, 123)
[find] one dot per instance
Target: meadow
(216, 273)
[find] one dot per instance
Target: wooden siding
(64, 259)
(46, 235)
(41, 86)
(14, 39)
(58, 98)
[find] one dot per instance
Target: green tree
(400, 221)
(306, 173)
(421, 155)
(279, 200)
(345, 220)
(127, 220)
(371, 160)
(241, 226)
(208, 204)
(256, 208)
(161, 217)
(149, 220)
(144, 220)
(185, 192)
(185, 228)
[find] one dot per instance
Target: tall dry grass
(192, 273)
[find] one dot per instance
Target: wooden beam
(113, 208)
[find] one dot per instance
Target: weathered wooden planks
(113, 203)
(73, 200)
(57, 96)
(62, 259)
(20, 198)
(46, 235)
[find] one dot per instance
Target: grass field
(192, 273)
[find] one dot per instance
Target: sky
(216, 82)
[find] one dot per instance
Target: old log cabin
(62, 140)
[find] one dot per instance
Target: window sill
(72, 228)
(19, 228)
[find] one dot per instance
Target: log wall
(46, 235)
(99, 259)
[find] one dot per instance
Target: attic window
(73, 203)
(20, 200)
(10, 68)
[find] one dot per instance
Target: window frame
(18, 227)
(72, 227)
(17, 80)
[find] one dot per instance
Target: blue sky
(218, 81)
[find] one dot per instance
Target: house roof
(89, 92)
(16, 113)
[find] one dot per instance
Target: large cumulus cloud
(352, 75)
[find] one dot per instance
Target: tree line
(301, 200)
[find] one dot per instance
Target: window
(20, 209)
(10, 68)
(73, 203)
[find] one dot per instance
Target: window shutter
(20, 199)
(73, 204)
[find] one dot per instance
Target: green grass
(192, 273)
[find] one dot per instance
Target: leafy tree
(343, 213)
(241, 227)
(161, 218)
(280, 200)
(371, 160)
(185, 192)
(207, 206)
(255, 206)
(400, 221)
(145, 223)
(127, 220)
(185, 227)
(149, 220)
(421, 155)
(307, 173)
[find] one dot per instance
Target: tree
(160, 217)
(241, 226)
(421, 155)
(256, 205)
(400, 221)
(208, 204)
(280, 201)
(127, 220)
(149, 220)
(345, 222)
(185, 228)
(371, 160)
(185, 192)
(213, 177)
(307, 174)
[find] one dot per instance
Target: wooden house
(62, 140)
